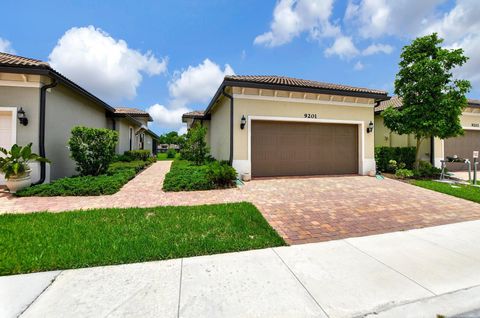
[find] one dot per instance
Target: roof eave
(229, 83)
(47, 71)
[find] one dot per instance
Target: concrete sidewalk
(417, 273)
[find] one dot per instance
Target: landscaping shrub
(81, 185)
(132, 155)
(404, 173)
(383, 156)
(136, 165)
(221, 173)
(93, 149)
(195, 148)
(171, 153)
(186, 176)
(426, 170)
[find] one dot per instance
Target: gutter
(224, 93)
(41, 132)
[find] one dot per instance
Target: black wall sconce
(370, 127)
(243, 122)
(22, 118)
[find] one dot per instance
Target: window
(141, 144)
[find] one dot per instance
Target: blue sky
(169, 56)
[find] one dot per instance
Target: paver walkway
(302, 210)
(418, 273)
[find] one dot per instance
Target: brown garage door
(463, 147)
(298, 149)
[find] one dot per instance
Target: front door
(7, 133)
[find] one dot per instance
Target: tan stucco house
(281, 126)
(435, 149)
(53, 105)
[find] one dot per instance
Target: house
(133, 131)
(41, 106)
(435, 149)
(165, 147)
(281, 126)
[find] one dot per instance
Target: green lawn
(163, 156)
(463, 191)
(49, 241)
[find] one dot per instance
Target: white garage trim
(245, 166)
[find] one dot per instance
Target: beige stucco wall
(296, 110)
(66, 109)
(219, 135)
(122, 127)
(385, 138)
(468, 120)
(29, 99)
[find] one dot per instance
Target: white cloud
(377, 48)
(6, 46)
(358, 66)
(188, 88)
(293, 17)
(375, 18)
(167, 117)
(197, 84)
(343, 47)
(460, 27)
(103, 65)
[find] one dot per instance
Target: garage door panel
(303, 149)
(463, 147)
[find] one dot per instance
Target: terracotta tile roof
(15, 60)
(132, 112)
(396, 102)
(295, 82)
(194, 114)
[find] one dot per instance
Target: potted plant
(14, 164)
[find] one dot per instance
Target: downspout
(41, 132)
(432, 151)
(230, 160)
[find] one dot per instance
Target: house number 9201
(310, 115)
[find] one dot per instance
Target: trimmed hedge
(117, 175)
(186, 176)
(400, 154)
(81, 186)
(133, 155)
(137, 165)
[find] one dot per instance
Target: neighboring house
(281, 126)
(436, 149)
(132, 127)
(53, 105)
(165, 147)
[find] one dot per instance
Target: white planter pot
(17, 184)
(246, 177)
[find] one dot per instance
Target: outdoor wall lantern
(22, 117)
(370, 127)
(243, 122)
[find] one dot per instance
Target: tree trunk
(417, 152)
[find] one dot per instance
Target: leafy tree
(93, 149)
(433, 99)
(195, 148)
(169, 138)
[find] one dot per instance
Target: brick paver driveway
(301, 209)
